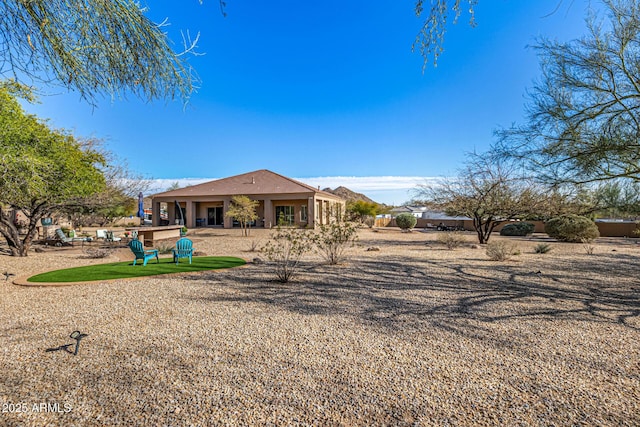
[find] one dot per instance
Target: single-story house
(281, 200)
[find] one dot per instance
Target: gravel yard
(412, 334)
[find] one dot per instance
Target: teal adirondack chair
(138, 250)
(184, 249)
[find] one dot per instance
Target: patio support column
(171, 212)
(228, 221)
(191, 214)
(320, 211)
(311, 214)
(268, 214)
(155, 213)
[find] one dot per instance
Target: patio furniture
(145, 255)
(184, 249)
(111, 237)
(101, 234)
(64, 240)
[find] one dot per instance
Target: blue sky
(318, 90)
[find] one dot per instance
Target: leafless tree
(488, 192)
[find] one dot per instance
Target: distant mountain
(348, 195)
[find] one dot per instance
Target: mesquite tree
(487, 192)
(41, 171)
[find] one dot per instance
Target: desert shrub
(542, 248)
(369, 221)
(517, 229)
(406, 221)
(588, 247)
(333, 239)
(165, 248)
(572, 228)
(501, 251)
(451, 239)
(254, 245)
(285, 248)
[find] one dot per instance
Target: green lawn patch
(122, 270)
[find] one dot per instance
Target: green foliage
(572, 228)
(41, 171)
(243, 209)
(333, 239)
(284, 249)
(406, 221)
(517, 229)
(430, 38)
(583, 122)
(451, 239)
(92, 47)
(501, 251)
(363, 211)
(542, 248)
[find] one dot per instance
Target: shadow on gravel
(410, 293)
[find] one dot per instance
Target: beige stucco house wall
(206, 204)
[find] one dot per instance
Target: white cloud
(383, 189)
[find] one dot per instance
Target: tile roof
(251, 183)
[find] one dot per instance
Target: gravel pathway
(412, 334)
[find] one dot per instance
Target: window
(303, 213)
(284, 215)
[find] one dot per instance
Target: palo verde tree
(93, 47)
(584, 113)
(363, 211)
(243, 209)
(41, 170)
(488, 192)
(430, 39)
(96, 47)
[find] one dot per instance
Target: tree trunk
(484, 228)
(11, 233)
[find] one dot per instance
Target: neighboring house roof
(410, 209)
(441, 216)
(251, 183)
(425, 213)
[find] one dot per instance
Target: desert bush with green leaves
(406, 221)
(284, 249)
(517, 229)
(332, 240)
(572, 228)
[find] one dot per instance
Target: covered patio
(281, 200)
